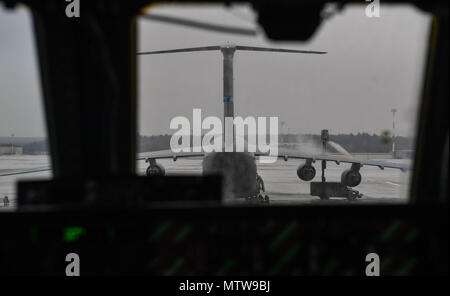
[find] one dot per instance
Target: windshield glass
(364, 91)
(23, 136)
(360, 85)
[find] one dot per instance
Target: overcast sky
(372, 65)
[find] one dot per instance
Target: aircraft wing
(286, 154)
(162, 154)
(20, 172)
(283, 153)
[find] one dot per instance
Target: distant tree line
(358, 143)
(153, 143)
(38, 147)
(354, 143)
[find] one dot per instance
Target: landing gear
(262, 189)
(5, 201)
(258, 199)
(261, 197)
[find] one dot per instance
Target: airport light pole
(12, 143)
(393, 110)
(324, 136)
(282, 138)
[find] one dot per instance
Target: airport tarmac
(280, 178)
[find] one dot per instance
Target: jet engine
(306, 172)
(351, 177)
(155, 169)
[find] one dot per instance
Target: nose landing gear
(261, 197)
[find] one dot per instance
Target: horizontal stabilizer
(203, 48)
(236, 47)
(253, 48)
